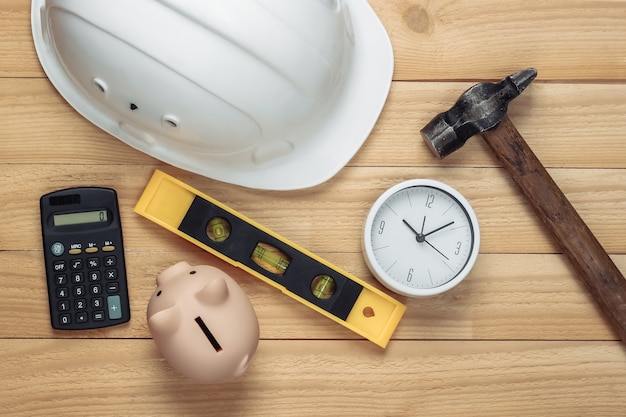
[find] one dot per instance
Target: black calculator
(84, 257)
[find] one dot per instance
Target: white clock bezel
(380, 274)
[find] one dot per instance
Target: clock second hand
(421, 237)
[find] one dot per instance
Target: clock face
(421, 238)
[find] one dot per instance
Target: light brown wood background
(519, 337)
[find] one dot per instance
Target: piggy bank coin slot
(208, 334)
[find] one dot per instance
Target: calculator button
(110, 261)
(93, 263)
(63, 292)
(82, 317)
(113, 287)
(80, 304)
(94, 276)
(79, 291)
(78, 277)
(63, 305)
(108, 248)
(76, 264)
(95, 289)
(115, 307)
(74, 251)
(98, 315)
(111, 273)
(65, 319)
(97, 302)
(60, 279)
(57, 249)
(91, 250)
(59, 266)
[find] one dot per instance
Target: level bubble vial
(218, 229)
(323, 287)
(270, 258)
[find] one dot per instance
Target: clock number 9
(381, 227)
(430, 199)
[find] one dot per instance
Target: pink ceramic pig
(202, 322)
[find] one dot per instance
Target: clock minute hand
(438, 229)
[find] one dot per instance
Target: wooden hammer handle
(603, 279)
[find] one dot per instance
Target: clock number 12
(430, 199)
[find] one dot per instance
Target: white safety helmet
(268, 94)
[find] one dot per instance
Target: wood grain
(520, 336)
(442, 40)
(352, 379)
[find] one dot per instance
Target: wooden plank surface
(442, 40)
(303, 378)
(520, 336)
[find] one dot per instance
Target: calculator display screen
(68, 219)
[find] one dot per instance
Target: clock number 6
(409, 276)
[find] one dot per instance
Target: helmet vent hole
(100, 85)
(170, 121)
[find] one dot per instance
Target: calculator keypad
(89, 286)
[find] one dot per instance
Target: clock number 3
(430, 199)
(458, 248)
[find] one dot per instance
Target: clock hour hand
(419, 236)
(411, 227)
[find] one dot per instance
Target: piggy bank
(202, 322)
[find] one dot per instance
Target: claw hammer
(482, 109)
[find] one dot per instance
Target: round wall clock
(421, 238)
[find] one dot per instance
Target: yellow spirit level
(245, 244)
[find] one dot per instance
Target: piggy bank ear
(172, 272)
(213, 293)
(165, 322)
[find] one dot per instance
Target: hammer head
(479, 109)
